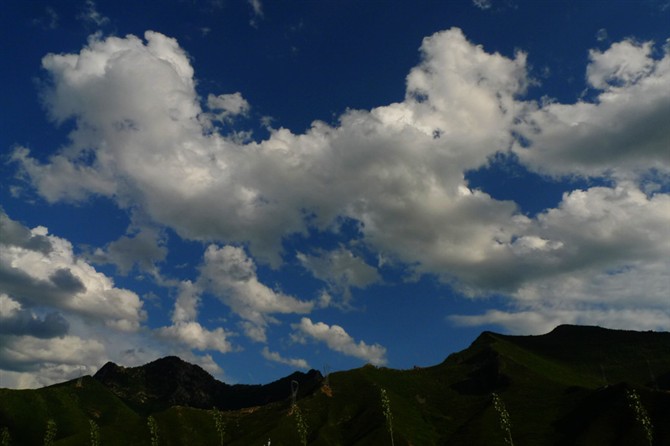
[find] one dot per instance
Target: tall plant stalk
(641, 415)
(503, 416)
(220, 425)
(95, 433)
(386, 407)
(50, 433)
(5, 438)
(153, 430)
(301, 424)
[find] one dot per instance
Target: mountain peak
(170, 360)
(171, 381)
(176, 368)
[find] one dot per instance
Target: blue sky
(260, 187)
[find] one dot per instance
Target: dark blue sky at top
(313, 60)
(299, 62)
(306, 61)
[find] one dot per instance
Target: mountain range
(170, 381)
(576, 385)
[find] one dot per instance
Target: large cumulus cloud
(147, 145)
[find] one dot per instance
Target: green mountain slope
(569, 387)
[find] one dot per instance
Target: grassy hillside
(569, 387)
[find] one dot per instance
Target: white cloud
(185, 328)
(230, 274)
(188, 300)
(195, 336)
(42, 270)
(340, 269)
(601, 35)
(17, 321)
(227, 106)
(609, 269)
(257, 7)
(62, 179)
(8, 306)
(48, 19)
(291, 362)
(483, 4)
(91, 14)
(339, 340)
(33, 362)
(67, 350)
(623, 64)
(143, 248)
(544, 319)
(623, 133)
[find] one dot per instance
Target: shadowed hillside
(575, 385)
(171, 381)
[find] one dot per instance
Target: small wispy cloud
(90, 14)
(601, 35)
(276, 357)
(483, 4)
(257, 7)
(48, 20)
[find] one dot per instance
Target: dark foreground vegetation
(573, 386)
